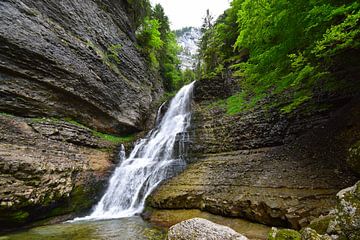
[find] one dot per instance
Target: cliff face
(49, 169)
(74, 59)
(281, 170)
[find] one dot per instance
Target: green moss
(154, 234)
(113, 138)
(6, 114)
(19, 217)
(79, 200)
(354, 157)
(113, 52)
(284, 234)
(320, 225)
(106, 137)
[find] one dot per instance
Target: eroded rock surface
(260, 165)
(49, 169)
(74, 59)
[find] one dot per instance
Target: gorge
(253, 143)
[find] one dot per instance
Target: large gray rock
(76, 59)
(202, 229)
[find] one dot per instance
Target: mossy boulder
(284, 234)
(311, 234)
(321, 224)
(354, 157)
(346, 223)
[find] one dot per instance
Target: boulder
(284, 234)
(311, 234)
(346, 223)
(202, 229)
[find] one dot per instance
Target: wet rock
(280, 170)
(168, 218)
(202, 229)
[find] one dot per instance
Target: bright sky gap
(184, 13)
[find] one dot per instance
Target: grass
(5, 114)
(112, 138)
(103, 136)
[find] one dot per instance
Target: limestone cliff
(49, 169)
(75, 60)
(277, 169)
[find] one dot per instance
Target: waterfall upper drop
(152, 161)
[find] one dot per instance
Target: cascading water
(152, 161)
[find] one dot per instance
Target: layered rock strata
(281, 170)
(49, 169)
(76, 59)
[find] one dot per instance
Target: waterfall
(152, 160)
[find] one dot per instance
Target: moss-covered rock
(16, 217)
(311, 234)
(354, 157)
(284, 234)
(346, 224)
(320, 225)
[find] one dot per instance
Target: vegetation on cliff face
(291, 50)
(158, 43)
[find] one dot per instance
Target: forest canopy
(158, 42)
(288, 50)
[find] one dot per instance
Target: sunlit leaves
(293, 47)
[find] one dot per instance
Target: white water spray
(152, 161)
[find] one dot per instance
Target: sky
(185, 13)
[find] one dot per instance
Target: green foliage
(5, 114)
(288, 49)
(149, 38)
(112, 138)
(139, 10)
(159, 44)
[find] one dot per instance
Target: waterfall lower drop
(152, 161)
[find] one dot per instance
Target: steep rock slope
(188, 38)
(275, 169)
(74, 59)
